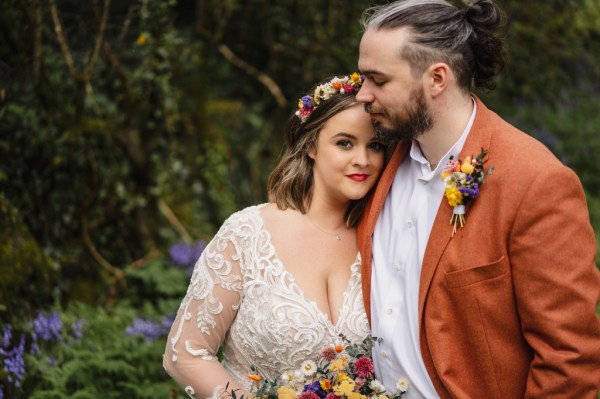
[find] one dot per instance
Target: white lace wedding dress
(242, 297)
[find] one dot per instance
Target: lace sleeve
(204, 317)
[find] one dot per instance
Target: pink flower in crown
(347, 88)
(364, 367)
(304, 112)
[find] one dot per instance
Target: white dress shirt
(399, 242)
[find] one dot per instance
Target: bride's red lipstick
(359, 177)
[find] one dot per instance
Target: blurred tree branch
(263, 78)
(62, 41)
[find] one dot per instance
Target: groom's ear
(438, 77)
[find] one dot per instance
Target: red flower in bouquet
(364, 367)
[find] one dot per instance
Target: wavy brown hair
(290, 185)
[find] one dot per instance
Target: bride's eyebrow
(343, 135)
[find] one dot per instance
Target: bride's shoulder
(273, 215)
(248, 214)
(258, 217)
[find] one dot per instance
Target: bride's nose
(361, 157)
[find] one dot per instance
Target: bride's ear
(312, 152)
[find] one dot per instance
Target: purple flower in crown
(306, 102)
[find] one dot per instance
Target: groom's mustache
(369, 109)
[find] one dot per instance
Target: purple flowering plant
(148, 329)
(185, 255)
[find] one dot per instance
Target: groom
(504, 307)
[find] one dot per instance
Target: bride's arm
(203, 319)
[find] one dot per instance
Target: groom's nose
(365, 94)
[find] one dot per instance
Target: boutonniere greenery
(463, 179)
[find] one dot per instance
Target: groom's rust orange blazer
(507, 305)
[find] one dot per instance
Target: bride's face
(347, 157)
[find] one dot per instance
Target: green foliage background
(128, 126)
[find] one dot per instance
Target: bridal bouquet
(343, 371)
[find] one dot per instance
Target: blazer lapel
(370, 216)
(441, 232)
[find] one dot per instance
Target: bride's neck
(328, 216)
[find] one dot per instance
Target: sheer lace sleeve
(204, 318)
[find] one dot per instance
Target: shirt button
(384, 354)
(390, 311)
(398, 267)
(409, 224)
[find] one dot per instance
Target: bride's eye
(345, 144)
(376, 146)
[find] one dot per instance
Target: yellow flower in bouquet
(345, 387)
(286, 393)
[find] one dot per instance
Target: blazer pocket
(462, 278)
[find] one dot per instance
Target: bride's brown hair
(290, 184)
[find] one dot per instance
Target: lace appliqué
(275, 327)
(212, 269)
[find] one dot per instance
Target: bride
(280, 281)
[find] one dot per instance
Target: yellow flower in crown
(356, 79)
(286, 393)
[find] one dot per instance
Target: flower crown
(345, 84)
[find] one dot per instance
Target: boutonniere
(463, 179)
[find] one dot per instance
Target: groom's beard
(415, 120)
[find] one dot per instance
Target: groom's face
(393, 97)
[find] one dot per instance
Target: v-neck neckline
(299, 291)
